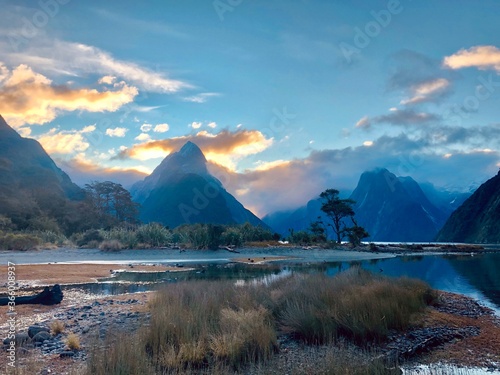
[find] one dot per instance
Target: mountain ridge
(477, 220)
(182, 191)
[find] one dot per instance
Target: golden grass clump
(57, 327)
(73, 342)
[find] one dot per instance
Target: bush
(153, 234)
(73, 341)
(57, 327)
(18, 241)
(111, 245)
(354, 304)
(127, 237)
(200, 327)
(193, 323)
(231, 237)
(90, 237)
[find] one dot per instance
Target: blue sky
(306, 93)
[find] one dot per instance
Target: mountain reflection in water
(475, 276)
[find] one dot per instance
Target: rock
(67, 354)
(22, 338)
(34, 329)
(48, 296)
(41, 337)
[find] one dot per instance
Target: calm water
(476, 276)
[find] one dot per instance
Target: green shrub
(89, 238)
(153, 234)
(231, 236)
(127, 237)
(111, 245)
(18, 241)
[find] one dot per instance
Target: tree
(318, 230)
(111, 203)
(337, 211)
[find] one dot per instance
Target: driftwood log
(48, 296)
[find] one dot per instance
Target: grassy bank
(217, 327)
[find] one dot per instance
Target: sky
(285, 97)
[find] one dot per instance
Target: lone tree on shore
(337, 210)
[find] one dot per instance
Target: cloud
(83, 171)
(27, 97)
(212, 125)
(66, 142)
(161, 128)
(264, 166)
(201, 98)
(291, 184)
(403, 117)
(116, 132)
(406, 117)
(427, 91)
(88, 129)
(69, 58)
(363, 123)
(143, 137)
(421, 78)
(24, 132)
(107, 80)
(224, 148)
(195, 125)
(481, 57)
(146, 128)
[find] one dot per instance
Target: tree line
(107, 209)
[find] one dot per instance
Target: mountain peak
(190, 150)
(6, 131)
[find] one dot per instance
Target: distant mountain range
(182, 191)
(477, 220)
(390, 208)
(395, 209)
(30, 181)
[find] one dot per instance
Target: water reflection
(476, 276)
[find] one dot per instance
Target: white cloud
(481, 57)
(57, 141)
(201, 98)
(195, 125)
(212, 125)
(24, 132)
(88, 129)
(69, 58)
(146, 128)
(27, 97)
(427, 90)
(143, 137)
(107, 80)
(161, 128)
(116, 132)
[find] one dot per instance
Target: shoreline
(66, 255)
(473, 348)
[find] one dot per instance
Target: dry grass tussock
(218, 327)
